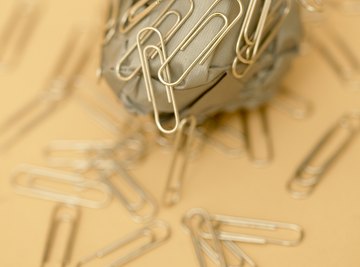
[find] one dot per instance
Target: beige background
(331, 217)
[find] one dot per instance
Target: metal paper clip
(143, 207)
(182, 148)
(312, 5)
(164, 15)
(18, 30)
(263, 37)
(222, 220)
(264, 133)
(153, 235)
(293, 104)
(208, 49)
(312, 170)
(111, 24)
(203, 219)
(57, 89)
(49, 184)
(149, 84)
(62, 216)
(343, 61)
(252, 41)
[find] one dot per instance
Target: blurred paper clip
(63, 217)
(18, 30)
(151, 236)
(58, 186)
(311, 171)
(179, 162)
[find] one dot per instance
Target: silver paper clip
(111, 25)
(152, 236)
(220, 221)
(62, 216)
(139, 203)
(311, 171)
(312, 5)
(263, 154)
(263, 37)
(291, 103)
(182, 148)
(208, 49)
(58, 186)
(17, 32)
(57, 89)
(149, 83)
(195, 219)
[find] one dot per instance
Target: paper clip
(149, 84)
(264, 37)
(139, 203)
(153, 235)
(195, 219)
(222, 220)
(57, 89)
(18, 30)
(111, 24)
(182, 148)
(165, 14)
(265, 154)
(312, 5)
(343, 61)
(62, 216)
(291, 103)
(208, 50)
(311, 171)
(50, 184)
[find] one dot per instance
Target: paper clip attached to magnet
(221, 221)
(17, 32)
(62, 216)
(59, 186)
(152, 236)
(195, 220)
(149, 83)
(311, 171)
(179, 162)
(263, 154)
(139, 203)
(312, 5)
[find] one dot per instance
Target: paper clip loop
(62, 215)
(308, 175)
(144, 207)
(154, 235)
(44, 183)
(312, 5)
(224, 220)
(182, 148)
(203, 219)
(148, 80)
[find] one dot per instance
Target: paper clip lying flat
(165, 14)
(153, 235)
(203, 219)
(264, 133)
(57, 89)
(312, 5)
(179, 162)
(148, 80)
(263, 37)
(310, 172)
(222, 220)
(293, 104)
(49, 184)
(208, 50)
(343, 61)
(17, 32)
(139, 203)
(111, 25)
(62, 216)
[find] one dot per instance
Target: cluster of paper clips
(213, 243)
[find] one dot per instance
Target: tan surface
(331, 217)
